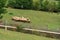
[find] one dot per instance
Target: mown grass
(39, 19)
(11, 35)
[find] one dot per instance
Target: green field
(11, 35)
(39, 19)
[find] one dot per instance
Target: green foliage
(36, 5)
(11, 3)
(45, 5)
(40, 4)
(19, 28)
(20, 3)
(52, 6)
(59, 6)
(2, 5)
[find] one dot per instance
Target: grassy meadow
(39, 19)
(11, 35)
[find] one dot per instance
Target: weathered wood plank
(49, 32)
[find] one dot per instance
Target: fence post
(5, 28)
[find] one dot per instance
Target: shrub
(36, 5)
(48, 5)
(44, 5)
(19, 28)
(52, 6)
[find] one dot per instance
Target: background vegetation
(39, 19)
(45, 5)
(2, 5)
(26, 4)
(46, 21)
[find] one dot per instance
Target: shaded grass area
(39, 19)
(11, 35)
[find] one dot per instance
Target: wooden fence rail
(35, 31)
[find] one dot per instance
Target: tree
(52, 6)
(44, 5)
(2, 5)
(36, 5)
(59, 6)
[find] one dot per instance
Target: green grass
(39, 19)
(11, 35)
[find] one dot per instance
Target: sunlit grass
(39, 19)
(11, 35)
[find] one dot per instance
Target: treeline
(25, 4)
(45, 5)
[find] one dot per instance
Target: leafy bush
(49, 5)
(52, 6)
(36, 5)
(19, 28)
(44, 5)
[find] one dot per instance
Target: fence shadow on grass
(41, 34)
